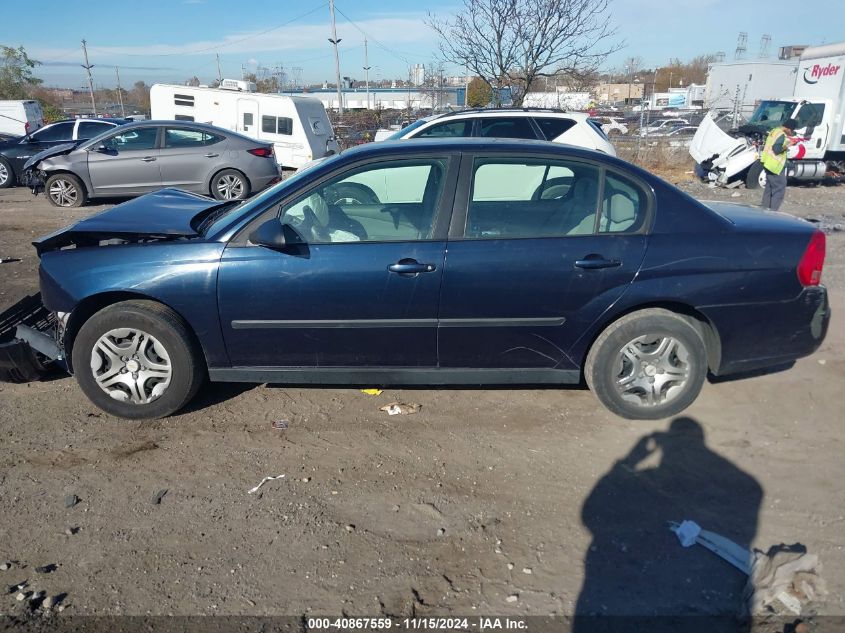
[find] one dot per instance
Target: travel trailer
(298, 127)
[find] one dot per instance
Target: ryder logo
(817, 71)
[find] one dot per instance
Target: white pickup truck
(817, 104)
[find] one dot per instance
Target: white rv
(298, 127)
(20, 118)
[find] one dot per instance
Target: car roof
(471, 144)
(501, 112)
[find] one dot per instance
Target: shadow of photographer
(635, 568)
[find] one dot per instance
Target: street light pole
(88, 68)
(333, 39)
(367, 73)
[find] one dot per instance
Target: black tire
(224, 180)
(165, 328)
(754, 175)
(607, 361)
(7, 175)
(74, 192)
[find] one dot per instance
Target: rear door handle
(212, 155)
(148, 159)
(411, 267)
(594, 262)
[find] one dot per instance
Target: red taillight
(26, 127)
(812, 261)
(264, 152)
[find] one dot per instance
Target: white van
(20, 117)
(298, 127)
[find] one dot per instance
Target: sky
(170, 41)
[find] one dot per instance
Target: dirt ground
(504, 501)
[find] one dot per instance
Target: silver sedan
(149, 155)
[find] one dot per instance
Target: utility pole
(219, 74)
(333, 39)
(119, 92)
(88, 68)
(367, 73)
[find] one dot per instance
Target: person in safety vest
(773, 158)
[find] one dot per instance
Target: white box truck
(298, 127)
(817, 103)
(21, 117)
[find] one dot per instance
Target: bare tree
(513, 42)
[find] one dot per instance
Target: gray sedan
(146, 156)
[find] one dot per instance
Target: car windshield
(770, 114)
(405, 130)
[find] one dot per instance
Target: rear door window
(180, 137)
(506, 127)
(90, 129)
(518, 198)
(553, 127)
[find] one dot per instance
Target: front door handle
(594, 262)
(411, 267)
(148, 159)
(212, 155)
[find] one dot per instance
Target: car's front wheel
(7, 176)
(65, 190)
(137, 360)
(648, 365)
(756, 176)
(230, 184)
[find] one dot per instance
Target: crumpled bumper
(28, 333)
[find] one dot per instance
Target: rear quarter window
(554, 127)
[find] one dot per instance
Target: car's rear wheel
(7, 176)
(65, 190)
(648, 365)
(138, 360)
(230, 184)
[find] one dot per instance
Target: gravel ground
(506, 501)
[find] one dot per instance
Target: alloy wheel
(131, 365)
(652, 370)
(4, 174)
(230, 187)
(63, 192)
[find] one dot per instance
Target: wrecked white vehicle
(817, 104)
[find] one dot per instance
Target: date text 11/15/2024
(419, 624)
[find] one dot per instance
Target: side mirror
(270, 234)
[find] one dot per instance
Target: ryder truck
(817, 103)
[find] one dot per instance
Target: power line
(399, 54)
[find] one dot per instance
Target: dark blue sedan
(436, 262)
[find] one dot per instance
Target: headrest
(586, 190)
(622, 209)
(320, 208)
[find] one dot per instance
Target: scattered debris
(736, 194)
(46, 569)
(262, 482)
(49, 602)
(21, 596)
(784, 580)
(781, 581)
(281, 425)
(305, 480)
(512, 598)
(350, 527)
(372, 392)
(401, 408)
(8, 260)
(71, 531)
(510, 565)
(441, 531)
(71, 500)
(6, 566)
(157, 497)
(527, 570)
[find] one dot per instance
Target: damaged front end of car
(31, 340)
(34, 176)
